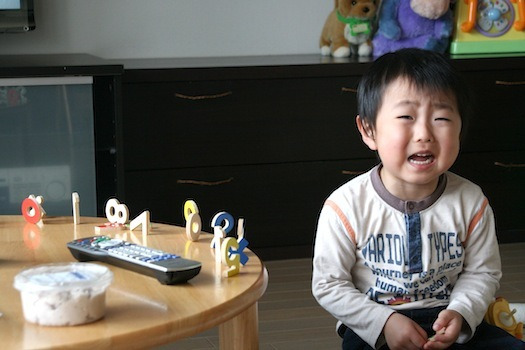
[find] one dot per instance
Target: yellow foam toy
(499, 314)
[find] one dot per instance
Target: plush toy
(348, 28)
(424, 24)
(500, 314)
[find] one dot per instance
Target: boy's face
(417, 137)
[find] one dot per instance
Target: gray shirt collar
(407, 207)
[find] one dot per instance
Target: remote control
(166, 267)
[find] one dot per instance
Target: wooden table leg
(241, 332)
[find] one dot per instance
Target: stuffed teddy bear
(424, 24)
(348, 28)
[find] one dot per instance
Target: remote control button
(109, 243)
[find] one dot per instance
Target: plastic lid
(63, 276)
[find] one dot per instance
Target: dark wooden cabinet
(269, 138)
(493, 152)
(502, 180)
(239, 121)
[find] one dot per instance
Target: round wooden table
(140, 312)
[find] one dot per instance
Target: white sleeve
(332, 285)
(475, 288)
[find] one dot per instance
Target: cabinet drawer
(216, 123)
(498, 123)
(500, 175)
(280, 203)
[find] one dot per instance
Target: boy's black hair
(427, 70)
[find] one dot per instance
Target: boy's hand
(447, 327)
(403, 333)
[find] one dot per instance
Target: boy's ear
(367, 133)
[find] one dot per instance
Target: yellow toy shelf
(488, 26)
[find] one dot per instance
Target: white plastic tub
(64, 294)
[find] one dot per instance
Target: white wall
(172, 28)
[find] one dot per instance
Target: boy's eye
(404, 117)
(442, 119)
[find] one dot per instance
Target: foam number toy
(218, 235)
(232, 251)
(243, 243)
(233, 261)
(190, 207)
(32, 210)
(193, 220)
(223, 220)
(142, 220)
(117, 214)
(75, 201)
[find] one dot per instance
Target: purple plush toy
(425, 24)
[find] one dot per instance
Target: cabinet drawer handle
(352, 172)
(203, 97)
(346, 89)
(509, 83)
(205, 183)
(509, 165)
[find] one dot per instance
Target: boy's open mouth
(421, 158)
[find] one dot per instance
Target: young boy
(406, 255)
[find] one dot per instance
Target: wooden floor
(290, 318)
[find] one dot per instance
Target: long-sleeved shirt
(375, 253)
